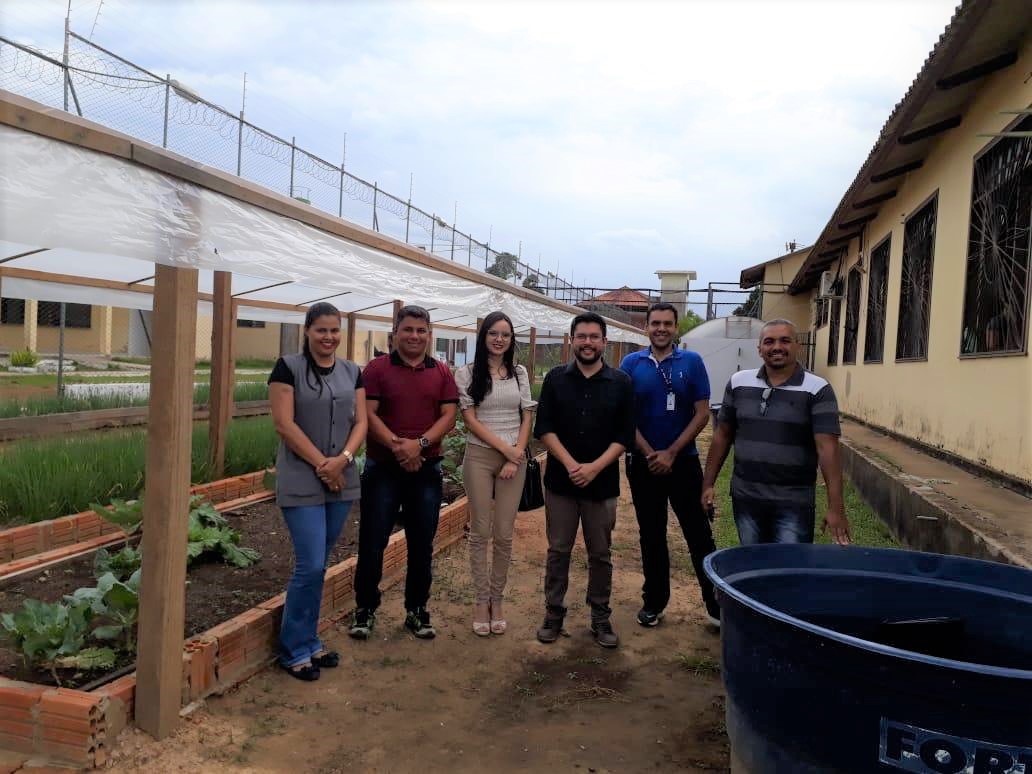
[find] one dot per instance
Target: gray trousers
(597, 518)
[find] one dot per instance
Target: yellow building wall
(247, 342)
(979, 409)
(778, 304)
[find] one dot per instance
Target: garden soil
(215, 591)
(465, 703)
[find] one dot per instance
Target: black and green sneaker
(362, 624)
(417, 621)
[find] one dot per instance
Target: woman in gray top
(494, 397)
(318, 407)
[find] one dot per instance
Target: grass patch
(48, 478)
(250, 363)
(42, 405)
(698, 665)
(867, 529)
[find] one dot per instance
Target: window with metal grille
(250, 323)
(820, 314)
(48, 314)
(996, 290)
(852, 330)
(12, 311)
(877, 297)
(915, 290)
(833, 330)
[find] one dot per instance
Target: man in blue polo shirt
(671, 405)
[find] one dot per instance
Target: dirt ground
(466, 703)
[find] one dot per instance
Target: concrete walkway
(935, 505)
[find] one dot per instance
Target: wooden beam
(531, 354)
(978, 71)
(349, 344)
(863, 204)
(930, 131)
(902, 169)
(159, 662)
(24, 255)
(566, 348)
(220, 396)
(844, 239)
(69, 279)
(858, 221)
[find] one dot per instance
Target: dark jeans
(596, 518)
(682, 489)
(386, 491)
(773, 522)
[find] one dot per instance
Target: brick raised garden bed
(31, 545)
(78, 726)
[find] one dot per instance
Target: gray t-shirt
(501, 409)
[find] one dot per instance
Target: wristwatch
(348, 456)
(424, 442)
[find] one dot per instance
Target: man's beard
(587, 361)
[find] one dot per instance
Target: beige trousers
(492, 512)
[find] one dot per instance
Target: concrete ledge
(920, 516)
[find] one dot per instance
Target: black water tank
(872, 660)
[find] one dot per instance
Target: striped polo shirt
(775, 452)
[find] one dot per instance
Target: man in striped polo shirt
(783, 422)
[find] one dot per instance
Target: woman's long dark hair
(480, 384)
(314, 313)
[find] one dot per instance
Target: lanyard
(668, 378)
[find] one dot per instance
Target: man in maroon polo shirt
(411, 401)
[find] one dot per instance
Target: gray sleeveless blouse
(326, 418)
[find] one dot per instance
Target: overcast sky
(612, 138)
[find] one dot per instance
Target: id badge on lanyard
(668, 381)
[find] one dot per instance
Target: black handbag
(533, 496)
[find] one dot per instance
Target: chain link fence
(107, 88)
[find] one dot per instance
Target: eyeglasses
(767, 392)
(592, 337)
(499, 335)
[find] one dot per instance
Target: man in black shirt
(585, 418)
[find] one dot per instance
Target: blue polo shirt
(682, 373)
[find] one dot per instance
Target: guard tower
(673, 287)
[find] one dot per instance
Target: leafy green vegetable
(122, 564)
(43, 631)
(128, 516)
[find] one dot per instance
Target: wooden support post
(566, 348)
(29, 325)
(159, 663)
(480, 321)
(532, 354)
(220, 396)
(349, 343)
(394, 323)
(102, 318)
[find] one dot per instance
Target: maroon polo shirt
(409, 399)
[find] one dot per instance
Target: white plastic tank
(727, 345)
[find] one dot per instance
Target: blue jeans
(387, 490)
(773, 522)
(314, 529)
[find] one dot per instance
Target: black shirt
(281, 373)
(587, 415)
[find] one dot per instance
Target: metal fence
(101, 85)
